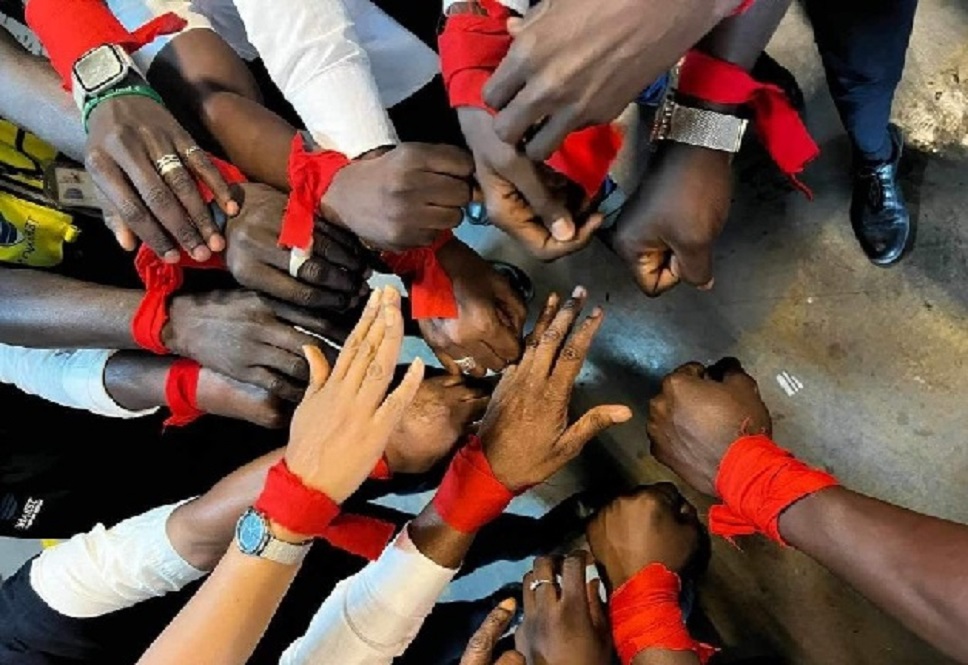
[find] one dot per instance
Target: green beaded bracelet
(94, 102)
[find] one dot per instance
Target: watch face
(251, 533)
(99, 68)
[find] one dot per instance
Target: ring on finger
(537, 583)
(168, 163)
(192, 150)
(466, 364)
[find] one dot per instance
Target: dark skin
(574, 64)
(480, 649)
(667, 230)
(910, 565)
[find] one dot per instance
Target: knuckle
(551, 336)
(375, 372)
(571, 353)
(132, 213)
(96, 161)
(304, 297)
(157, 196)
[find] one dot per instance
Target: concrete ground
(881, 354)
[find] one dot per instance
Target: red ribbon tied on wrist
(470, 495)
(757, 481)
(286, 500)
(181, 393)
(70, 28)
(778, 125)
(310, 176)
(431, 289)
(645, 614)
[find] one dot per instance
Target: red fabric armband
(310, 175)
(431, 290)
(645, 614)
(778, 125)
(471, 47)
(757, 481)
(161, 280)
(586, 156)
(70, 28)
(181, 393)
(286, 500)
(470, 496)
(230, 173)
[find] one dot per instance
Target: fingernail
(201, 253)
(708, 286)
(579, 292)
(562, 229)
(232, 208)
(216, 243)
(597, 312)
(552, 300)
(172, 256)
(508, 604)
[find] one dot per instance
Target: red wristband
(470, 496)
(431, 289)
(310, 176)
(230, 172)
(161, 280)
(645, 614)
(757, 480)
(70, 28)
(586, 156)
(181, 393)
(778, 125)
(471, 47)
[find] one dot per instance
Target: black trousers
(863, 44)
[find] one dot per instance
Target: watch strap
(699, 127)
(288, 554)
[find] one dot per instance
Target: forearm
(742, 39)
(33, 98)
(910, 565)
(43, 310)
(437, 540)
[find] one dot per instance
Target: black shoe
(878, 212)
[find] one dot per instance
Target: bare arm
(908, 564)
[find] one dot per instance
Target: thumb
(121, 232)
(694, 266)
(481, 647)
(591, 425)
(318, 368)
(553, 213)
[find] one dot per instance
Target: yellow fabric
(23, 166)
(31, 234)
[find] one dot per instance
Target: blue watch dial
(251, 533)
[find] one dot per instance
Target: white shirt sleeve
(105, 570)
(373, 616)
(314, 56)
(70, 377)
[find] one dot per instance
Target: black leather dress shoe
(878, 213)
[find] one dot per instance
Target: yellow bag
(31, 234)
(23, 156)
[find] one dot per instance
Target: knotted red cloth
(310, 175)
(470, 495)
(230, 173)
(431, 290)
(181, 393)
(471, 48)
(645, 614)
(757, 480)
(70, 28)
(778, 125)
(286, 500)
(382, 470)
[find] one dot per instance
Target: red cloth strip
(778, 125)
(382, 470)
(181, 393)
(286, 500)
(431, 290)
(310, 175)
(470, 495)
(230, 173)
(586, 156)
(744, 6)
(757, 480)
(70, 28)
(645, 614)
(161, 280)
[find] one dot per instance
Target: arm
(908, 564)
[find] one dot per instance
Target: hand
(403, 198)
(575, 63)
(332, 278)
(127, 136)
(237, 333)
(480, 650)
(342, 426)
(525, 431)
(222, 396)
(527, 200)
(440, 415)
(654, 524)
(490, 318)
(566, 626)
(700, 412)
(667, 230)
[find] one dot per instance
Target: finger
(506, 82)
(552, 134)
(199, 163)
(551, 209)
(381, 370)
(370, 346)
(513, 307)
(281, 285)
(285, 362)
(353, 342)
(573, 581)
(480, 649)
(344, 237)
(395, 406)
(332, 249)
(695, 369)
(119, 193)
(653, 274)
(329, 327)
(487, 353)
(442, 190)
(112, 219)
(527, 595)
(322, 273)
(572, 357)
(545, 570)
(447, 362)
(591, 425)
(540, 326)
(596, 608)
(318, 368)
(278, 385)
(181, 181)
(549, 345)
(693, 266)
(733, 374)
(440, 218)
(447, 160)
(511, 658)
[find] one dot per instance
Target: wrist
(803, 518)
(136, 381)
(178, 306)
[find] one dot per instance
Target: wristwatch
(101, 69)
(254, 538)
(699, 127)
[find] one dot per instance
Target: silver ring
(192, 150)
(466, 365)
(297, 257)
(168, 163)
(536, 583)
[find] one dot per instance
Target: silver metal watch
(698, 127)
(98, 70)
(254, 538)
